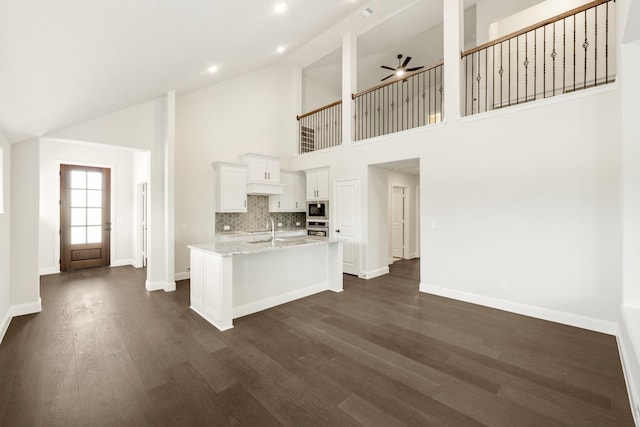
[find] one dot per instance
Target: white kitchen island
(234, 279)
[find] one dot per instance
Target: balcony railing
(410, 101)
(320, 128)
(569, 52)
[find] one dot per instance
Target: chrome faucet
(273, 228)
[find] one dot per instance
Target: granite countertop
(263, 245)
(256, 232)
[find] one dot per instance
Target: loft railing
(410, 101)
(320, 128)
(569, 52)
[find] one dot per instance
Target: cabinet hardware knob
(337, 231)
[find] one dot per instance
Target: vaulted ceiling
(65, 61)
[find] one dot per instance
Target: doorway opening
(85, 217)
(394, 210)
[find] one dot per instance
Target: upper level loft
(526, 51)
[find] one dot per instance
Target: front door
(85, 220)
(347, 223)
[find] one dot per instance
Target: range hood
(264, 188)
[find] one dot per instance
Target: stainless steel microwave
(318, 210)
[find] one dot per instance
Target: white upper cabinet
(318, 184)
(293, 197)
(262, 168)
(230, 187)
(263, 174)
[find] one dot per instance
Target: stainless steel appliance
(318, 228)
(318, 210)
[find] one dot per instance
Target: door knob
(337, 231)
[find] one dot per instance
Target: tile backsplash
(256, 217)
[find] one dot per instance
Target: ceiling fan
(401, 68)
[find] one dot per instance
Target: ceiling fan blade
(406, 61)
(414, 68)
(387, 68)
(390, 75)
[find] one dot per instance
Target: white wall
(5, 236)
(316, 95)
(25, 182)
(536, 206)
(629, 338)
(52, 154)
(253, 113)
(490, 11)
(530, 16)
(144, 126)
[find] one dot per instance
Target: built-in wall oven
(318, 210)
(318, 228)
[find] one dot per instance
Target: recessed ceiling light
(280, 7)
(212, 69)
(280, 49)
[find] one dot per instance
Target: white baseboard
(123, 262)
(183, 275)
(412, 255)
(626, 356)
(557, 316)
(375, 273)
(49, 270)
(4, 324)
(160, 286)
(28, 308)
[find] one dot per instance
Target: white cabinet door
(312, 185)
(318, 184)
(284, 202)
(299, 193)
(273, 170)
(231, 187)
(262, 168)
(323, 185)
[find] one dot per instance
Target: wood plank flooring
(104, 352)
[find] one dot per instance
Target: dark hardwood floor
(104, 352)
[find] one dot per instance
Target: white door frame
(406, 219)
(358, 205)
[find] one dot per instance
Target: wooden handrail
(317, 110)
(405, 76)
(534, 27)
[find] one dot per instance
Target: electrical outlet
(298, 224)
(279, 224)
(504, 287)
(227, 228)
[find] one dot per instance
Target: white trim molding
(123, 263)
(183, 275)
(160, 286)
(571, 319)
(27, 308)
(49, 270)
(4, 324)
(375, 273)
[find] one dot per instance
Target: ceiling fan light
(400, 73)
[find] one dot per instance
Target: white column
(169, 188)
(161, 233)
(453, 27)
(349, 83)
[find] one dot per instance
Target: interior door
(397, 223)
(347, 223)
(85, 221)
